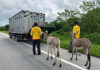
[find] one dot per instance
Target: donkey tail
(58, 53)
(57, 50)
(58, 47)
(89, 52)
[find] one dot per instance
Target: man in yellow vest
(75, 29)
(36, 34)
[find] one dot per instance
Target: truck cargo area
(21, 23)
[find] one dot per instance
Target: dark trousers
(38, 46)
(71, 47)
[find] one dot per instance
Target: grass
(5, 32)
(42, 41)
(95, 51)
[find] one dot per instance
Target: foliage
(94, 38)
(67, 14)
(88, 5)
(89, 22)
(65, 40)
(49, 24)
(4, 28)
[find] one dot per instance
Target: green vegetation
(42, 41)
(4, 29)
(65, 40)
(5, 32)
(89, 22)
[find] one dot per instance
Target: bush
(94, 37)
(2, 28)
(65, 40)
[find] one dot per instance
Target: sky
(8, 8)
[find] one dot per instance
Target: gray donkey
(52, 42)
(82, 43)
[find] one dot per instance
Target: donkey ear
(71, 32)
(46, 31)
(76, 32)
(42, 32)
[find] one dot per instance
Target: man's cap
(75, 22)
(35, 24)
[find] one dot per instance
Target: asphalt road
(18, 56)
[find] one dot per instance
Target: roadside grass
(95, 51)
(5, 32)
(65, 41)
(42, 41)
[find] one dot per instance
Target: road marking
(65, 61)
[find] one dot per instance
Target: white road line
(79, 67)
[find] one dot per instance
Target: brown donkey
(82, 43)
(52, 42)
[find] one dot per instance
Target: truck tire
(10, 35)
(17, 38)
(22, 38)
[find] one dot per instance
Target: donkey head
(73, 34)
(45, 35)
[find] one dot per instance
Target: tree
(91, 21)
(6, 27)
(67, 14)
(46, 23)
(88, 5)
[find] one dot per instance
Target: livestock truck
(21, 23)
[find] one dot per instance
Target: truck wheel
(17, 38)
(22, 38)
(10, 35)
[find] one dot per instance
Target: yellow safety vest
(36, 32)
(75, 29)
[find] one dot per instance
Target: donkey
(82, 43)
(52, 42)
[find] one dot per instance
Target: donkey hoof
(71, 59)
(54, 63)
(60, 65)
(76, 58)
(88, 68)
(84, 66)
(51, 57)
(47, 58)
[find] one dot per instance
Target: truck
(21, 23)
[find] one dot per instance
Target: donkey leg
(55, 57)
(89, 59)
(72, 53)
(48, 53)
(59, 55)
(51, 52)
(89, 64)
(86, 52)
(76, 54)
(86, 62)
(60, 61)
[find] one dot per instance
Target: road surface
(18, 56)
